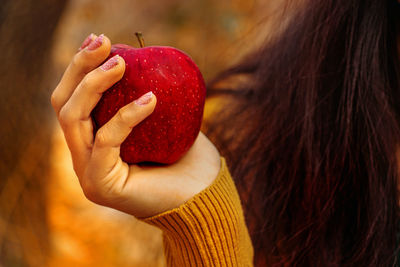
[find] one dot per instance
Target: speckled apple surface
(168, 133)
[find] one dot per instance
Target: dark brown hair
(311, 135)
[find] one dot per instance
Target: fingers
(94, 50)
(74, 116)
(109, 137)
(90, 89)
(78, 92)
(106, 173)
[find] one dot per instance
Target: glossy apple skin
(168, 133)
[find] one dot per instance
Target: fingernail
(144, 99)
(87, 41)
(109, 64)
(96, 43)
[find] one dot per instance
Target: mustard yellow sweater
(209, 229)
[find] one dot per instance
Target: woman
(318, 119)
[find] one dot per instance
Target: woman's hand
(142, 191)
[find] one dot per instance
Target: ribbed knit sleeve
(209, 229)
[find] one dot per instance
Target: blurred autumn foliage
(44, 218)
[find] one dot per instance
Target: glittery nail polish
(144, 99)
(96, 43)
(109, 64)
(87, 41)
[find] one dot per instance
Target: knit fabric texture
(209, 229)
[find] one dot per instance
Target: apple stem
(140, 38)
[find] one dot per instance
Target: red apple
(168, 133)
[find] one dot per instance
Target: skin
(141, 191)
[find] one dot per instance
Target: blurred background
(44, 218)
